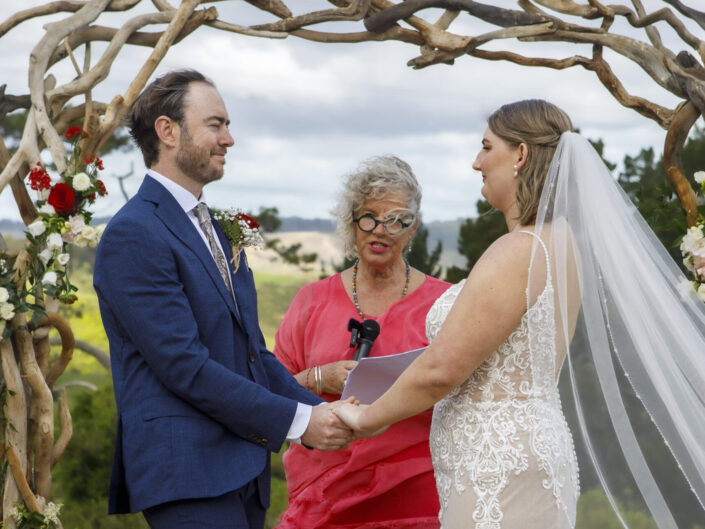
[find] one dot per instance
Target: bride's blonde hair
(539, 124)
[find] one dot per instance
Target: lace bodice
(505, 421)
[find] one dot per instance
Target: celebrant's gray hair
(375, 178)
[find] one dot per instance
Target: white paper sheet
(373, 376)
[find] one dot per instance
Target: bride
(579, 273)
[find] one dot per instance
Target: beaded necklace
(354, 285)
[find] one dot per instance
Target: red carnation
(101, 188)
(39, 178)
(62, 198)
(251, 223)
(72, 131)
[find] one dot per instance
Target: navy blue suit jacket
(200, 400)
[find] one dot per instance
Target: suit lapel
(177, 221)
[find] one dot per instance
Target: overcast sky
(304, 114)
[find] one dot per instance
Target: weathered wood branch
(96, 352)
(677, 134)
(18, 473)
(494, 15)
(10, 103)
(693, 14)
(67, 342)
(42, 406)
(66, 425)
(354, 11)
(16, 422)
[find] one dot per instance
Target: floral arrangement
(36, 520)
(241, 230)
(63, 219)
(693, 248)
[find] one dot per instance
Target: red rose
(62, 198)
(72, 131)
(251, 223)
(101, 188)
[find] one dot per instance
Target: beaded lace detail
(505, 424)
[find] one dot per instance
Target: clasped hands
(334, 425)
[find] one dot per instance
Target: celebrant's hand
(335, 374)
(353, 416)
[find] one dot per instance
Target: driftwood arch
(434, 26)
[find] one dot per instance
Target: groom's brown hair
(163, 97)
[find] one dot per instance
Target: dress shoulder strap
(548, 262)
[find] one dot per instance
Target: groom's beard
(195, 162)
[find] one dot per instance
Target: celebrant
(388, 480)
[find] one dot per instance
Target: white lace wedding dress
(503, 456)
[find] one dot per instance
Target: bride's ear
(522, 155)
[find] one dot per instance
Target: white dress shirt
(187, 202)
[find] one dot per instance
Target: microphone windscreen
(370, 329)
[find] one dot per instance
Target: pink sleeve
(289, 338)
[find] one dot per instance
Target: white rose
(99, 229)
(7, 311)
(45, 255)
(81, 182)
(55, 242)
(76, 222)
(47, 209)
(699, 177)
(4, 295)
(49, 278)
(63, 259)
(37, 228)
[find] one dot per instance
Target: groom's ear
(168, 131)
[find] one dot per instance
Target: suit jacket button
(252, 357)
(263, 442)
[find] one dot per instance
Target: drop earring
(516, 172)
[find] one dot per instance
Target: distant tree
(475, 236)
(269, 221)
(419, 257)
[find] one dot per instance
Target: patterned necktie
(204, 219)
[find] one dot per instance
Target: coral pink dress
(386, 481)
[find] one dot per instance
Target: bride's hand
(353, 415)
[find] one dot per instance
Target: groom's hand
(325, 429)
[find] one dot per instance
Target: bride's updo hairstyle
(539, 124)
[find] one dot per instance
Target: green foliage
(82, 475)
(419, 257)
(476, 235)
(643, 180)
(595, 512)
(268, 218)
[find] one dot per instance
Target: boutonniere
(241, 230)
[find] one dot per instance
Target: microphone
(367, 335)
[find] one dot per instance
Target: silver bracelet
(319, 380)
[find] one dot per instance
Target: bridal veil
(629, 324)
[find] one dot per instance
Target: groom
(200, 400)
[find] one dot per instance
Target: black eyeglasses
(392, 225)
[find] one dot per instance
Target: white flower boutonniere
(241, 230)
